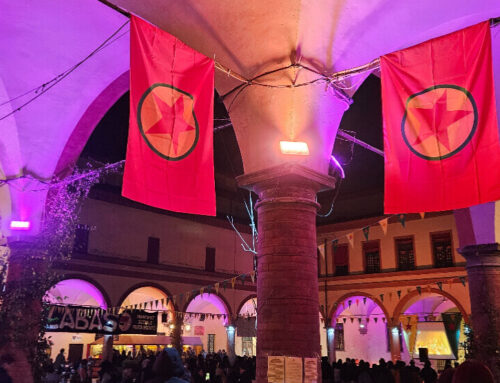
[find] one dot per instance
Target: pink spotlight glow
(294, 147)
(20, 225)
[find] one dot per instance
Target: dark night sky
(364, 169)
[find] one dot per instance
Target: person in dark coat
(428, 374)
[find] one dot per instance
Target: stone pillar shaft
(231, 333)
(330, 344)
(287, 282)
(483, 270)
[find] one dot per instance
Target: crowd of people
(149, 367)
(168, 366)
(352, 371)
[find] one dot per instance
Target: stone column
(231, 333)
(330, 343)
(483, 271)
(107, 348)
(287, 272)
(394, 340)
(22, 324)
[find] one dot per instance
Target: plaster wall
(123, 232)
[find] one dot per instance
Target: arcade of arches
(361, 326)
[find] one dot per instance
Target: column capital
(487, 254)
(285, 173)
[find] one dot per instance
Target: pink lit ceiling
(76, 292)
(39, 40)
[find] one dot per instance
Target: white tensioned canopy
(39, 40)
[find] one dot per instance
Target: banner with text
(95, 320)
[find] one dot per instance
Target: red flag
(170, 151)
(440, 126)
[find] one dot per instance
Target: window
(211, 343)
(341, 259)
(81, 243)
(442, 249)
(405, 253)
(339, 337)
(153, 250)
(210, 259)
(371, 251)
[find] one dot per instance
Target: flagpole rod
(357, 141)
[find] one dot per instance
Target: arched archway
(212, 314)
(78, 292)
(246, 327)
(413, 296)
(360, 327)
(432, 319)
(156, 290)
(151, 293)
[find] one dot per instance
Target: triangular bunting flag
(202, 290)
(350, 238)
(352, 319)
(366, 232)
(367, 319)
(349, 302)
(335, 242)
(462, 281)
(364, 300)
(419, 289)
(383, 224)
(344, 320)
(383, 319)
(375, 319)
(359, 320)
(216, 286)
(440, 285)
(233, 281)
(242, 277)
(252, 276)
(382, 297)
(224, 285)
(402, 219)
(399, 294)
(156, 304)
(422, 215)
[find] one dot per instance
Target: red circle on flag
(439, 121)
(167, 121)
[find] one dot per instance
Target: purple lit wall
(76, 292)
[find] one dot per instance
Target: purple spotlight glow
(338, 166)
(20, 225)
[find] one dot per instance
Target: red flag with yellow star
(440, 124)
(169, 161)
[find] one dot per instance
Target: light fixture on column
(20, 225)
(297, 148)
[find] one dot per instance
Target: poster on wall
(93, 320)
(293, 369)
(199, 330)
(310, 370)
(276, 369)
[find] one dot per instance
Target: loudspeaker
(423, 354)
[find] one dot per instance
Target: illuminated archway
(360, 323)
(434, 320)
(78, 292)
(211, 315)
(246, 327)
